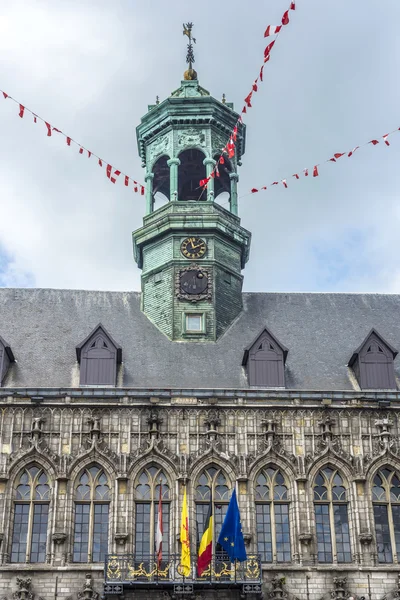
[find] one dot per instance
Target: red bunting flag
(315, 171)
(244, 110)
(221, 160)
(248, 99)
(234, 133)
(272, 30)
(292, 6)
(284, 183)
(264, 187)
(261, 73)
(296, 175)
(374, 142)
(68, 141)
(275, 183)
(21, 110)
(339, 154)
(285, 18)
(5, 95)
(57, 130)
(352, 151)
(34, 119)
(305, 171)
(108, 171)
(80, 150)
(126, 180)
(254, 190)
(268, 50)
(385, 139)
(100, 162)
(255, 87)
(333, 159)
(141, 190)
(89, 153)
(48, 129)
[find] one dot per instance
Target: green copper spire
(191, 247)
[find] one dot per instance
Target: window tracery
(150, 482)
(272, 516)
(92, 502)
(331, 517)
(386, 505)
(31, 511)
(212, 484)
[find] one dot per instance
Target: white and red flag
(159, 532)
(272, 30)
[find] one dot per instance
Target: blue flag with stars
(231, 536)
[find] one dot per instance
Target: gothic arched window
(212, 483)
(147, 498)
(31, 512)
(272, 516)
(331, 517)
(92, 503)
(386, 502)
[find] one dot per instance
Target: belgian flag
(205, 548)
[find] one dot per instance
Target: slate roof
(321, 332)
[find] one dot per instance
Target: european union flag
(231, 536)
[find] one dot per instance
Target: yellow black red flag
(205, 548)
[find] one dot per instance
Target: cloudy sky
(91, 67)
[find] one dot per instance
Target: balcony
(128, 571)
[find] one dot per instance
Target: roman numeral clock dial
(193, 247)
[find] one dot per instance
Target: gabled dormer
(264, 360)
(372, 363)
(6, 357)
(98, 356)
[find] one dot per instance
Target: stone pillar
(149, 193)
(209, 164)
(234, 177)
(173, 164)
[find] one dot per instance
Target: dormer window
(98, 356)
(265, 361)
(372, 363)
(6, 357)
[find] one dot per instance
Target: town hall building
(111, 400)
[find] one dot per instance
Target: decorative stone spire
(190, 74)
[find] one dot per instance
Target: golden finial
(190, 73)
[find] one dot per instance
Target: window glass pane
(81, 533)
(193, 322)
(396, 526)
(142, 530)
(100, 532)
(20, 533)
(264, 536)
(282, 532)
(382, 533)
(324, 542)
(219, 516)
(39, 533)
(342, 533)
(201, 514)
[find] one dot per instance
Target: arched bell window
(147, 498)
(92, 505)
(31, 513)
(386, 502)
(190, 171)
(331, 517)
(272, 516)
(212, 484)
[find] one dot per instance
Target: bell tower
(191, 250)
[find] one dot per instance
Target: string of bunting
(230, 148)
(111, 172)
(315, 169)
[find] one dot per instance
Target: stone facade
(299, 434)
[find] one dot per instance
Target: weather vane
(187, 30)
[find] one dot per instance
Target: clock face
(193, 281)
(193, 247)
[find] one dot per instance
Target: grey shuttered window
(265, 361)
(98, 355)
(372, 363)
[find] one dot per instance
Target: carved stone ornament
(305, 537)
(182, 295)
(121, 538)
(278, 591)
(88, 593)
(191, 137)
(24, 591)
(59, 537)
(157, 148)
(365, 538)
